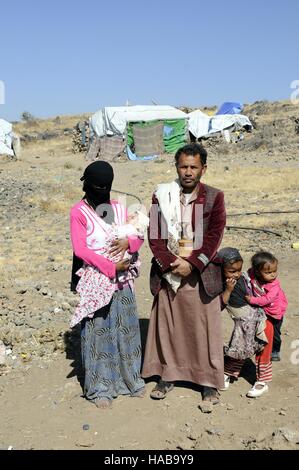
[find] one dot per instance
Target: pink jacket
(273, 300)
(78, 227)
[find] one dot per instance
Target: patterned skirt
(111, 349)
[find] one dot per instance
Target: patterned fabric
(111, 349)
(233, 366)
(248, 336)
(111, 147)
(244, 342)
(148, 140)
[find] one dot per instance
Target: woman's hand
(247, 297)
(119, 246)
(122, 265)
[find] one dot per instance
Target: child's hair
(259, 260)
(229, 255)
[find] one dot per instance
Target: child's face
(269, 272)
(233, 271)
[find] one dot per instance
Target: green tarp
(174, 133)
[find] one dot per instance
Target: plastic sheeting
(230, 108)
(6, 138)
(113, 120)
(200, 124)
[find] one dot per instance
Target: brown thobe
(185, 336)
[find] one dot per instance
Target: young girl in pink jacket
(268, 294)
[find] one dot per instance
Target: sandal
(103, 403)
(139, 393)
(210, 394)
(161, 389)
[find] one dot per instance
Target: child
(96, 289)
(268, 295)
(248, 336)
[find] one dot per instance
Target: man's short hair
(193, 150)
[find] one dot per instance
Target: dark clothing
(77, 264)
(237, 297)
(277, 334)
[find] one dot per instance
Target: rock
(185, 444)
(22, 291)
(230, 407)
(286, 434)
(66, 306)
(2, 353)
(206, 407)
(85, 427)
(214, 431)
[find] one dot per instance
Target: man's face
(190, 170)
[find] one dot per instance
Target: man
(184, 339)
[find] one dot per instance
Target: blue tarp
(230, 108)
(132, 156)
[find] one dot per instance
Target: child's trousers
(277, 335)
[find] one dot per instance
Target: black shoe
(275, 356)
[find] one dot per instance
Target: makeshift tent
(202, 125)
(147, 129)
(6, 136)
(230, 108)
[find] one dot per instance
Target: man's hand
(123, 265)
(247, 297)
(230, 284)
(119, 246)
(181, 267)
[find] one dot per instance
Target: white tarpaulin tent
(6, 138)
(200, 124)
(113, 120)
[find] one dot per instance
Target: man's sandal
(161, 389)
(211, 395)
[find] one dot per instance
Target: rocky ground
(41, 403)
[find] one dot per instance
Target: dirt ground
(41, 404)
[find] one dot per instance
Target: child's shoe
(257, 390)
(226, 383)
(275, 356)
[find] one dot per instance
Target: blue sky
(69, 56)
